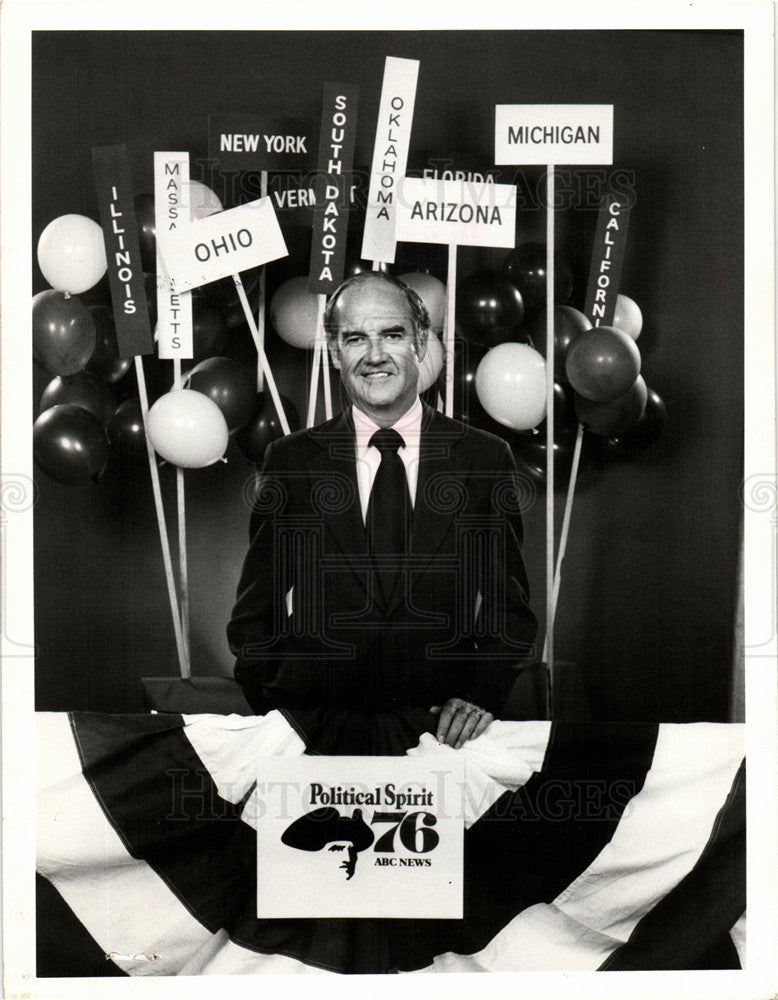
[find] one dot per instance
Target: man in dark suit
(384, 578)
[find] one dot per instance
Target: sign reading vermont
(359, 837)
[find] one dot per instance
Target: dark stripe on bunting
(64, 946)
(677, 933)
(534, 842)
(162, 802)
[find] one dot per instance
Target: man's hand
(460, 721)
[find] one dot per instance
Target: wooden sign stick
(183, 570)
(160, 510)
(314, 389)
(451, 279)
(262, 304)
(321, 333)
(271, 382)
(550, 605)
(566, 521)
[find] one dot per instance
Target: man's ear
(334, 349)
(421, 344)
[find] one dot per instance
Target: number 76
(416, 834)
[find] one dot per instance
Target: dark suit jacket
(458, 626)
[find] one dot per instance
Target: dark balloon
(427, 258)
(83, 389)
(489, 309)
(568, 323)
(264, 427)
(126, 434)
(602, 363)
(526, 268)
(209, 328)
(232, 386)
(105, 362)
(530, 452)
(69, 445)
(616, 416)
(150, 284)
(63, 333)
(147, 231)
(224, 294)
(358, 266)
(645, 432)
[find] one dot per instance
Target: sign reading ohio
(359, 837)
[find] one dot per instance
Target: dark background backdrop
(649, 589)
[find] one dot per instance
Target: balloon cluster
(501, 371)
(84, 418)
(499, 365)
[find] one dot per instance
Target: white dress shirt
(369, 457)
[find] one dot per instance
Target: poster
(652, 568)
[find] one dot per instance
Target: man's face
(376, 350)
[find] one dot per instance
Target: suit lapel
(343, 517)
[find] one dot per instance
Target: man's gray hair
(420, 318)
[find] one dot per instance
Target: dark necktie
(388, 511)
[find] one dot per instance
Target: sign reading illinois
(359, 837)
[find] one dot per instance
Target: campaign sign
(222, 244)
(122, 249)
(390, 157)
(333, 187)
(610, 243)
(553, 133)
(465, 213)
(252, 142)
(175, 337)
(360, 837)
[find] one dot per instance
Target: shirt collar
(408, 426)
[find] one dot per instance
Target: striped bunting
(587, 846)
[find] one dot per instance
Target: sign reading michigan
(360, 837)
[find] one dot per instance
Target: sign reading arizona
(461, 212)
(359, 837)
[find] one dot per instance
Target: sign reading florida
(359, 837)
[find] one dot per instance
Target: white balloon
(628, 318)
(294, 313)
(432, 363)
(71, 254)
(432, 293)
(511, 385)
(202, 201)
(187, 429)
